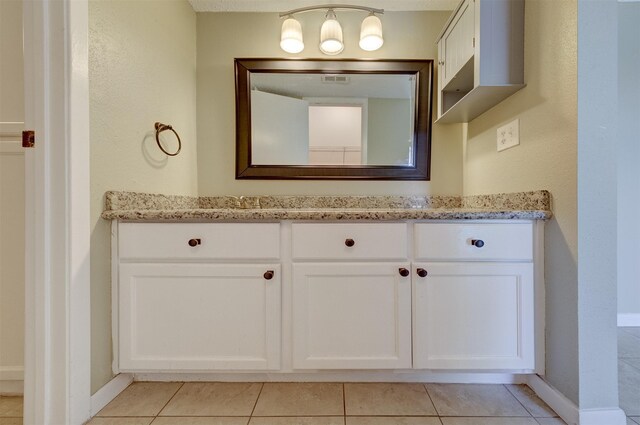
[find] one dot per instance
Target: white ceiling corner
(284, 5)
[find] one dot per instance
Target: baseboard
(628, 319)
(11, 380)
(110, 391)
(347, 376)
(9, 388)
(568, 410)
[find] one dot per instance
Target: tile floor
(159, 403)
(629, 373)
(215, 403)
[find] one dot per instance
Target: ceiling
(284, 5)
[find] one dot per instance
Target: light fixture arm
(332, 6)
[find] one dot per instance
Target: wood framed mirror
(333, 119)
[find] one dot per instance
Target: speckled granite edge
(143, 206)
(533, 200)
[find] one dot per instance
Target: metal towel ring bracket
(159, 129)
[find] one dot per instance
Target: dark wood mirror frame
(420, 170)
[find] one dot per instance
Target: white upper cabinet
(481, 58)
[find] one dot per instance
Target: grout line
(344, 403)
(256, 403)
(518, 400)
(431, 400)
(168, 401)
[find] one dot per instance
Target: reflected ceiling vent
(336, 79)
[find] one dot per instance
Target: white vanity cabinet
(474, 303)
(306, 297)
(351, 296)
(198, 296)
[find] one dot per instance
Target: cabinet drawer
(333, 241)
(454, 241)
(220, 241)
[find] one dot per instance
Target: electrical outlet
(509, 135)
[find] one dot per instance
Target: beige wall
(545, 159)
(225, 36)
(142, 69)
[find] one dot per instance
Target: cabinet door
(351, 316)
(457, 42)
(199, 317)
(474, 316)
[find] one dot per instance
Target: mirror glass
(338, 119)
(332, 119)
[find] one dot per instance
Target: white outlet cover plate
(508, 135)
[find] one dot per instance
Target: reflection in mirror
(333, 119)
(325, 119)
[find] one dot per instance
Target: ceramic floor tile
(318, 420)
(10, 406)
(213, 399)
(628, 345)
(141, 399)
(635, 331)
(629, 388)
(387, 400)
(551, 421)
(200, 421)
(390, 420)
(10, 421)
(631, 421)
(633, 362)
(474, 400)
(489, 421)
(300, 399)
(531, 401)
(635, 419)
(120, 421)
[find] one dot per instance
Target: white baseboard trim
(107, 393)
(628, 319)
(11, 373)
(11, 388)
(568, 410)
(348, 376)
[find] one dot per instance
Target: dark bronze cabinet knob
(268, 274)
(349, 242)
(422, 272)
(478, 243)
(194, 242)
(403, 272)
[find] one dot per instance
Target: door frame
(57, 230)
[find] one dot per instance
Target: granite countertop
(133, 206)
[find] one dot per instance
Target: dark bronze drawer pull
(195, 242)
(349, 242)
(268, 274)
(403, 272)
(478, 243)
(422, 272)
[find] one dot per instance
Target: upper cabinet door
(457, 43)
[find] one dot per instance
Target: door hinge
(474, 42)
(28, 138)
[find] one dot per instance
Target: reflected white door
(279, 129)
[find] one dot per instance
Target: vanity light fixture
(331, 40)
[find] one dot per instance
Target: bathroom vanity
(289, 288)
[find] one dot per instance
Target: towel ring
(159, 129)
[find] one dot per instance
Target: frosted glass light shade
(291, 36)
(371, 33)
(331, 35)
